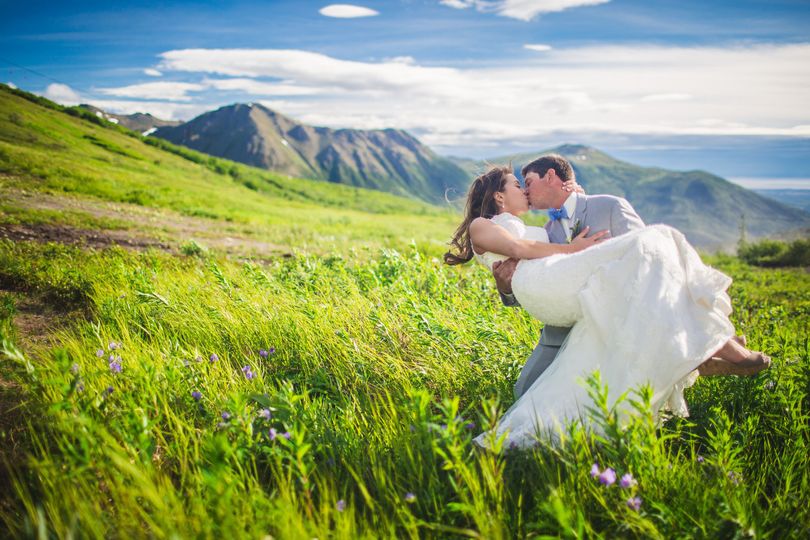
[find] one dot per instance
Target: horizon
(652, 83)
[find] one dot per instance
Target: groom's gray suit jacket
(599, 212)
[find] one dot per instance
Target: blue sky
(723, 86)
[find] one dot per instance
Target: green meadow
(327, 383)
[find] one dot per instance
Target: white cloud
(152, 72)
(11, 85)
(537, 47)
(656, 98)
(347, 11)
(634, 89)
(524, 10)
(259, 88)
(163, 90)
(62, 94)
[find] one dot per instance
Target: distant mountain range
(388, 160)
(711, 211)
(705, 207)
(143, 123)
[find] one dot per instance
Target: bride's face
(512, 199)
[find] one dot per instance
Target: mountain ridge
(387, 160)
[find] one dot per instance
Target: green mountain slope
(46, 148)
(707, 208)
(387, 160)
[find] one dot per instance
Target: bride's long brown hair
(480, 203)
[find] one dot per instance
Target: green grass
(379, 364)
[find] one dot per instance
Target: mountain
(143, 123)
(387, 160)
(708, 209)
(799, 198)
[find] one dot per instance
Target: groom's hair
(542, 164)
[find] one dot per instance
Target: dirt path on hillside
(141, 227)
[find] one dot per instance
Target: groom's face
(538, 190)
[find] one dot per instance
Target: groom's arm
(502, 271)
(623, 218)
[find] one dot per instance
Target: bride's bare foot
(734, 359)
(736, 353)
(718, 366)
(742, 340)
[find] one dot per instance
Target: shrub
(774, 253)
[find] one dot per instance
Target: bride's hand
(571, 185)
(580, 242)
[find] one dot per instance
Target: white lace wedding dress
(644, 310)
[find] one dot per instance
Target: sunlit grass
(382, 370)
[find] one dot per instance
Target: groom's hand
(503, 270)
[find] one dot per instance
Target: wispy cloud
(163, 90)
(347, 11)
(537, 47)
(259, 88)
(524, 10)
(152, 72)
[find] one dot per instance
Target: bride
(643, 306)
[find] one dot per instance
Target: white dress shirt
(570, 205)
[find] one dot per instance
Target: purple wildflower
(272, 434)
(271, 350)
(341, 505)
(80, 386)
(113, 345)
(627, 480)
(444, 427)
(266, 414)
(595, 470)
(226, 415)
(196, 395)
(734, 477)
(410, 497)
(264, 353)
(634, 503)
(213, 357)
(470, 425)
(249, 375)
(109, 390)
(100, 353)
(74, 368)
(287, 435)
(608, 477)
(700, 459)
(115, 366)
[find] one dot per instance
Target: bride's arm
(490, 236)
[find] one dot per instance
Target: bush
(774, 253)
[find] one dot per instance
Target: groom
(570, 213)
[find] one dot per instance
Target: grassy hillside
(44, 150)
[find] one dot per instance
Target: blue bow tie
(555, 213)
